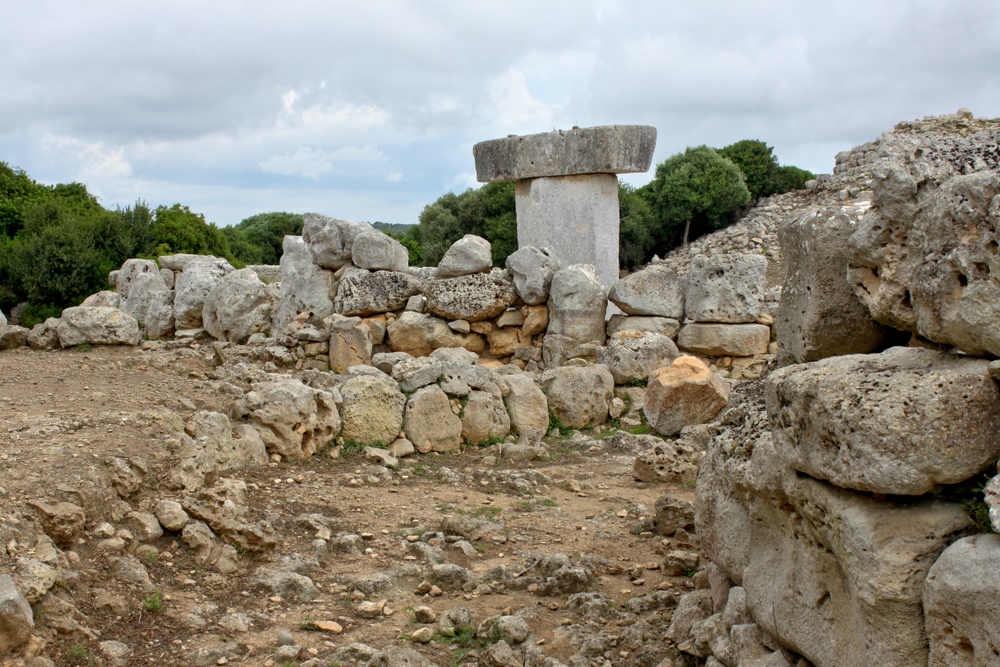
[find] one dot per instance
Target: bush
(487, 212)
(757, 162)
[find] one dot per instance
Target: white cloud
(92, 161)
(314, 162)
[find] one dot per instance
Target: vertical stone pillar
(566, 190)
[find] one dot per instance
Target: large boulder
(661, 325)
(363, 293)
(655, 290)
(104, 298)
(924, 255)
(473, 298)
(43, 336)
(419, 335)
(151, 303)
(685, 392)
(191, 287)
(962, 603)
(470, 254)
(13, 336)
(724, 340)
(16, 618)
(577, 304)
(376, 251)
(372, 410)
(331, 240)
(725, 288)
(531, 270)
(237, 307)
(526, 403)
(350, 342)
(132, 269)
(484, 416)
(293, 419)
(820, 315)
(97, 326)
(212, 434)
(632, 355)
(901, 422)
(305, 287)
(430, 423)
(579, 396)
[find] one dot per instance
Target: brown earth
(63, 412)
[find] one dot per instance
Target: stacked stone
(857, 161)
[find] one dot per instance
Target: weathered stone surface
(237, 307)
(331, 240)
(370, 293)
(901, 422)
(528, 407)
(683, 393)
(97, 326)
(16, 618)
(132, 269)
(171, 515)
(670, 461)
(655, 290)
(962, 603)
(419, 335)
(305, 287)
(721, 340)
(62, 521)
(44, 336)
(473, 298)
(376, 251)
(820, 315)
(924, 256)
(485, 417)
(725, 288)
(532, 269)
(151, 303)
(661, 325)
(576, 216)
(293, 420)
(579, 397)
(633, 355)
(350, 343)
(212, 434)
(3, 319)
(13, 336)
(608, 149)
(577, 303)
(469, 254)
(191, 287)
(430, 423)
(372, 410)
(102, 298)
(536, 320)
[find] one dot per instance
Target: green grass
(78, 654)
(153, 603)
(309, 625)
(83, 347)
(487, 512)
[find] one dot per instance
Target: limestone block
(180, 261)
(131, 269)
(350, 342)
(171, 515)
(419, 335)
(526, 403)
(378, 251)
(213, 435)
(151, 303)
(609, 149)
(16, 618)
(820, 315)
(168, 277)
(372, 410)
(579, 397)
(97, 326)
(484, 417)
(504, 342)
(681, 394)
(532, 269)
(331, 240)
(576, 216)
(725, 340)
(925, 254)
(725, 288)
(305, 287)
(363, 293)
(661, 325)
(577, 303)
(430, 423)
(536, 320)
(655, 290)
(469, 254)
(102, 298)
(44, 336)
(473, 298)
(237, 307)
(293, 420)
(962, 603)
(900, 422)
(61, 521)
(199, 276)
(670, 461)
(13, 336)
(634, 355)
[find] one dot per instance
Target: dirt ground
(63, 412)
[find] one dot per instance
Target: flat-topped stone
(608, 149)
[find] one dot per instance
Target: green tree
(636, 224)
(694, 191)
(791, 178)
(487, 211)
(757, 162)
(259, 239)
(178, 229)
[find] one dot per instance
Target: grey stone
(719, 340)
(97, 326)
(634, 355)
(376, 251)
(16, 618)
(456, 621)
(725, 288)
(472, 298)
(484, 417)
(526, 404)
(579, 397)
(331, 240)
(901, 422)
(305, 287)
(292, 419)
(372, 410)
(13, 336)
(289, 585)
(820, 315)
(238, 306)
(104, 298)
(670, 461)
(363, 293)
(655, 290)
(661, 325)
(350, 342)
(61, 521)
(171, 515)
(44, 336)
(132, 269)
(469, 254)
(191, 287)
(430, 423)
(151, 303)
(577, 304)
(532, 269)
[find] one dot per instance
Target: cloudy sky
(368, 110)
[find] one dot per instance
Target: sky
(368, 110)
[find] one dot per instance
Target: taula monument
(566, 188)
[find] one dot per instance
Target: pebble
(423, 635)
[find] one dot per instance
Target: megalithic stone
(566, 191)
